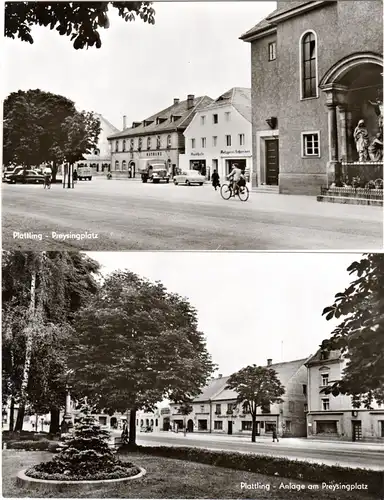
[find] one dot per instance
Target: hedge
(27, 436)
(42, 445)
(270, 466)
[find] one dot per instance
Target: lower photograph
(192, 375)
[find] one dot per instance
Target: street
(129, 215)
(345, 454)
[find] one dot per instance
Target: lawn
(170, 478)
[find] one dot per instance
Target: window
(147, 422)
(169, 141)
(117, 165)
(124, 144)
(103, 420)
(202, 120)
(228, 140)
(215, 164)
(305, 389)
(215, 118)
(266, 409)
(214, 140)
(193, 143)
(141, 423)
(291, 406)
(137, 422)
(324, 379)
(124, 165)
(158, 142)
(272, 51)
(218, 409)
(288, 426)
(325, 404)
(324, 355)
(203, 142)
(140, 143)
(241, 139)
(96, 152)
(156, 422)
(148, 143)
(310, 147)
(230, 407)
(227, 116)
(131, 144)
(246, 408)
(269, 426)
(202, 408)
(117, 146)
(202, 425)
(218, 425)
(308, 52)
(326, 426)
(381, 423)
(246, 426)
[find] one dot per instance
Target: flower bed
(41, 445)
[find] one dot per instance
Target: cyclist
(234, 177)
(47, 172)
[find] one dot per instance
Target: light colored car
(189, 177)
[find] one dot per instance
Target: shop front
(241, 158)
(198, 162)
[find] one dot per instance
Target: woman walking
(215, 180)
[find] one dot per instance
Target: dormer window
(324, 355)
(96, 152)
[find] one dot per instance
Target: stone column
(350, 140)
(67, 417)
(343, 133)
(333, 166)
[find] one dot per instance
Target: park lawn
(168, 478)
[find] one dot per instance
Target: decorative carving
(361, 140)
(375, 149)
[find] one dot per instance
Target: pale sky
(193, 48)
(251, 306)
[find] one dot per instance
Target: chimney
(124, 122)
(190, 101)
(220, 375)
(269, 362)
(176, 100)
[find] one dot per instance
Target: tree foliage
(360, 334)
(42, 127)
(80, 21)
(257, 387)
(135, 344)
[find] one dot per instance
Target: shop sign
(197, 154)
(226, 152)
(155, 153)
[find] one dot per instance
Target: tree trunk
(12, 415)
(54, 171)
(54, 427)
(69, 175)
(254, 428)
(132, 427)
(20, 418)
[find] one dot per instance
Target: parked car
(189, 177)
(11, 171)
(146, 429)
(26, 177)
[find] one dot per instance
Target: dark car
(26, 177)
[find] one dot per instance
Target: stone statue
(362, 140)
(378, 105)
(376, 148)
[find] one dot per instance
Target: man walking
(274, 435)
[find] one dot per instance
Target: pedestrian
(75, 176)
(130, 172)
(274, 435)
(215, 180)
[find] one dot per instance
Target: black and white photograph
(193, 125)
(193, 375)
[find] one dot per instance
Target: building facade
(333, 417)
(100, 158)
(316, 71)
(215, 410)
(158, 137)
(220, 135)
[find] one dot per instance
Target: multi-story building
(333, 417)
(317, 70)
(158, 137)
(220, 135)
(100, 158)
(216, 410)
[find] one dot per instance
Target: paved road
(134, 216)
(355, 455)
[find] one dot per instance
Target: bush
(270, 466)
(42, 445)
(23, 435)
(127, 470)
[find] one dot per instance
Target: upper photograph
(193, 126)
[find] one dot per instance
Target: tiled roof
(216, 389)
(176, 110)
(239, 98)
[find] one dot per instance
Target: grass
(169, 478)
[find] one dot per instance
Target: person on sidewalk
(274, 435)
(215, 179)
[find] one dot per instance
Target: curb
(24, 481)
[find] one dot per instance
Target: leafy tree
(134, 345)
(80, 21)
(42, 127)
(360, 334)
(40, 294)
(257, 387)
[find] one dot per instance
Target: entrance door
(190, 425)
(230, 426)
(356, 430)
(272, 161)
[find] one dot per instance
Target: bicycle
(226, 192)
(47, 182)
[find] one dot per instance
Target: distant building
(158, 137)
(316, 71)
(216, 410)
(100, 158)
(220, 135)
(333, 417)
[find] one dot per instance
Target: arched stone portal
(353, 89)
